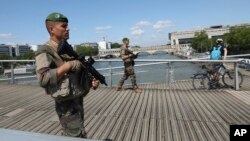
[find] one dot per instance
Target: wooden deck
(157, 114)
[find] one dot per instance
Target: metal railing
(15, 135)
(169, 67)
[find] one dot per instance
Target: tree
(115, 45)
(5, 57)
(29, 55)
(136, 46)
(86, 51)
(238, 40)
(200, 42)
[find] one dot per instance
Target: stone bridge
(148, 50)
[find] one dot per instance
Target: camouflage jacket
(69, 86)
(125, 51)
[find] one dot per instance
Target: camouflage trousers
(128, 71)
(71, 116)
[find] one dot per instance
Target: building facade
(6, 50)
(185, 37)
(22, 49)
(93, 45)
(103, 45)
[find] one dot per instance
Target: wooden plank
(27, 120)
(209, 135)
(210, 111)
(40, 120)
(160, 130)
(175, 130)
(176, 106)
(171, 111)
(92, 127)
(15, 112)
(152, 130)
(214, 131)
(137, 131)
(222, 131)
(9, 121)
(183, 105)
(139, 104)
(130, 130)
(199, 132)
(144, 104)
(183, 130)
(145, 130)
(108, 130)
(191, 131)
(149, 105)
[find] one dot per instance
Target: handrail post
(12, 81)
(236, 80)
(167, 69)
(110, 73)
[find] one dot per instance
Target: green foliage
(135, 46)
(200, 42)
(86, 51)
(238, 40)
(30, 55)
(4, 57)
(115, 45)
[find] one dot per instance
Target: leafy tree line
(86, 51)
(237, 41)
(117, 45)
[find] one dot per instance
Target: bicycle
(210, 79)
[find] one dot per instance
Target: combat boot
(119, 89)
(137, 89)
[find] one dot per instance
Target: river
(144, 74)
(152, 73)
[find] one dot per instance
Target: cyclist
(218, 52)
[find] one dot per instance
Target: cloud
(6, 35)
(143, 23)
(103, 27)
(137, 32)
(160, 25)
(134, 28)
(137, 29)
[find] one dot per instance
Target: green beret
(56, 17)
(125, 39)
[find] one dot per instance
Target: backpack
(216, 53)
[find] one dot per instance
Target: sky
(145, 22)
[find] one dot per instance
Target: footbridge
(148, 50)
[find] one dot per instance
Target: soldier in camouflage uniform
(128, 59)
(60, 76)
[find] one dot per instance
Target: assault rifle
(65, 48)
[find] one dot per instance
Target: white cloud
(159, 25)
(137, 32)
(143, 23)
(103, 27)
(134, 28)
(6, 35)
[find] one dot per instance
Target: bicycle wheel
(201, 81)
(229, 77)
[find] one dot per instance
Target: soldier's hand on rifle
(75, 65)
(95, 83)
(131, 55)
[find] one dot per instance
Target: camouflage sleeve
(122, 52)
(46, 75)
